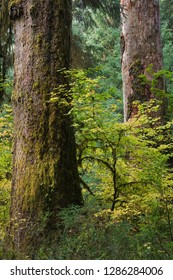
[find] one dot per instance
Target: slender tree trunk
(45, 176)
(1, 88)
(5, 44)
(2, 75)
(140, 46)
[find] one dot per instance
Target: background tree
(6, 60)
(45, 176)
(96, 32)
(140, 47)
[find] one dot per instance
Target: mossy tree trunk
(45, 176)
(140, 47)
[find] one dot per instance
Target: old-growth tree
(140, 47)
(45, 177)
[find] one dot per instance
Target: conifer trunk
(45, 176)
(140, 47)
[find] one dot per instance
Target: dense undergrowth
(126, 175)
(5, 168)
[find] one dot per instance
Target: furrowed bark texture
(140, 47)
(45, 177)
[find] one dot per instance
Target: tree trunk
(140, 47)
(5, 45)
(45, 176)
(3, 70)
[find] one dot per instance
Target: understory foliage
(125, 172)
(5, 167)
(126, 177)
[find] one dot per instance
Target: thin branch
(86, 186)
(100, 160)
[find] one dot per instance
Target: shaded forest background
(125, 168)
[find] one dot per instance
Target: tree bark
(5, 45)
(45, 176)
(140, 47)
